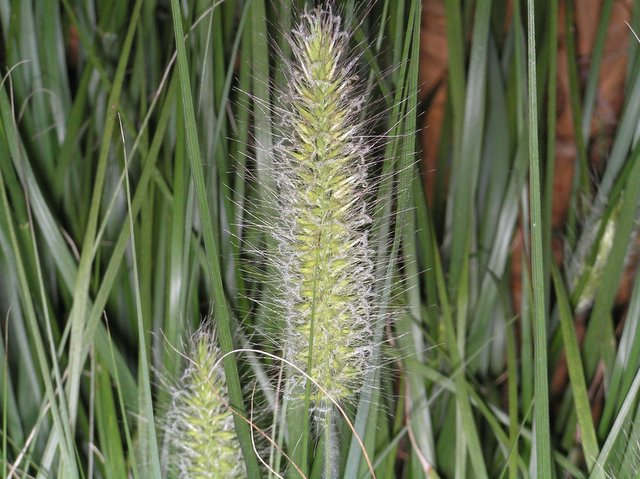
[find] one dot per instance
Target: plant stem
(330, 446)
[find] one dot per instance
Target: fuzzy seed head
(201, 429)
(325, 257)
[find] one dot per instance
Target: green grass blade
(221, 313)
(541, 384)
(61, 424)
(590, 89)
(464, 184)
(576, 372)
(83, 279)
(626, 363)
(147, 416)
(611, 445)
(385, 259)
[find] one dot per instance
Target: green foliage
(138, 145)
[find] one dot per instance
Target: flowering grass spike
(324, 222)
(201, 429)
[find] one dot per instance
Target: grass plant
(324, 257)
(138, 146)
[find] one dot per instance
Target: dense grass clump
(162, 161)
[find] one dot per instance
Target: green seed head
(325, 257)
(201, 429)
(586, 266)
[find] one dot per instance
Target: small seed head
(201, 429)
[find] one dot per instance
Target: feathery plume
(323, 232)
